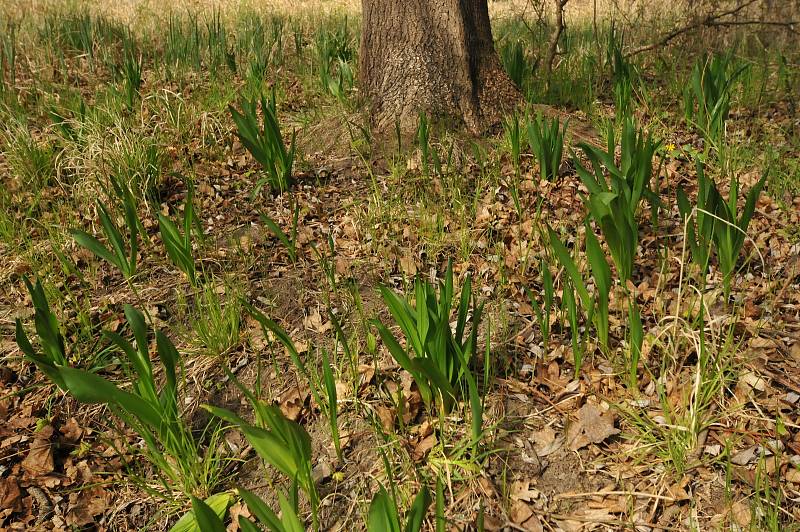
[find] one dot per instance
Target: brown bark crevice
(432, 56)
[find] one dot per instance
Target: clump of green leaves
(707, 97)
(265, 142)
(517, 66)
(542, 309)
(51, 341)
(151, 412)
(338, 79)
(623, 75)
(700, 221)
(8, 58)
(329, 401)
(614, 201)
(217, 323)
(283, 444)
(131, 73)
(514, 139)
(717, 221)
(383, 515)
(122, 255)
(594, 305)
(442, 357)
(546, 140)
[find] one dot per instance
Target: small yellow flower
(670, 147)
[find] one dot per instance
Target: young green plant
(265, 142)
(441, 365)
(124, 259)
(289, 241)
(179, 245)
(546, 140)
(542, 310)
(707, 97)
(152, 413)
(282, 443)
(595, 307)
(383, 515)
(614, 202)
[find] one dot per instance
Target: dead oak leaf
(592, 426)
(71, 431)
(10, 496)
(423, 447)
(520, 512)
(795, 352)
(39, 460)
(292, 402)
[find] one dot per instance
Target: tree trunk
(432, 56)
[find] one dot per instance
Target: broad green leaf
(382, 515)
(416, 514)
(90, 388)
(218, 503)
(260, 510)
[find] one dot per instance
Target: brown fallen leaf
(423, 447)
(532, 524)
(520, 512)
(592, 426)
(71, 431)
(546, 442)
(10, 496)
(40, 455)
(521, 491)
(386, 416)
(740, 511)
(292, 401)
(795, 352)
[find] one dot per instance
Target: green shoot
(54, 355)
(614, 204)
(383, 516)
(177, 244)
(546, 141)
(124, 259)
(289, 241)
(442, 357)
(265, 142)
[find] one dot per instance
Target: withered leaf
(40, 457)
(592, 426)
(10, 496)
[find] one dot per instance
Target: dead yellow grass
(133, 11)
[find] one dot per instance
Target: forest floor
(694, 424)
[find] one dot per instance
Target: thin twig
(711, 19)
(615, 493)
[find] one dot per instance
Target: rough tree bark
(432, 56)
